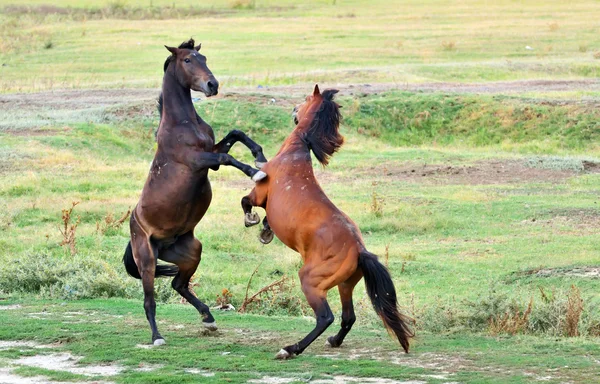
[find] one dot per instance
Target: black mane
(323, 137)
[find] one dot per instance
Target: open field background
(471, 164)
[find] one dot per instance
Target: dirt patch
(69, 363)
(22, 344)
(591, 272)
(576, 221)
(591, 166)
(200, 372)
(482, 173)
(88, 98)
(488, 172)
(333, 380)
(9, 307)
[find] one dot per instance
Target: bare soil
(80, 99)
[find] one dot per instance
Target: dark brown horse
(304, 219)
(177, 192)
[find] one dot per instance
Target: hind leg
(317, 298)
(348, 318)
(144, 255)
(186, 253)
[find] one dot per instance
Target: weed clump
(69, 228)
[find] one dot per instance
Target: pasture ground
(471, 165)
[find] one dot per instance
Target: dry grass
(574, 310)
(110, 224)
(449, 45)
(553, 27)
(69, 228)
(511, 322)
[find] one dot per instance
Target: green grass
(282, 42)
(108, 332)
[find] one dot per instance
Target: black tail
(382, 293)
(132, 269)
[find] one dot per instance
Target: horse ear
(173, 50)
(316, 92)
(197, 48)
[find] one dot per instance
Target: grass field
(481, 199)
(110, 44)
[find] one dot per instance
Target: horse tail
(382, 293)
(132, 269)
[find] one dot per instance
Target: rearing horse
(177, 192)
(304, 219)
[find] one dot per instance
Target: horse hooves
(266, 236)
(259, 164)
(284, 355)
(259, 176)
(210, 326)
(331, 343)
(251, 219)
(158, 342)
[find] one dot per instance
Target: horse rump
(132, 269)
(382, 293)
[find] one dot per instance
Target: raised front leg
(250, 218)
(233, 137)
(204, 160)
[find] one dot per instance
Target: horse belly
(175, 208)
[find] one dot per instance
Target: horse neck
(294, 144)
(177, 99)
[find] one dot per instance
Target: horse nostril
(212, 85)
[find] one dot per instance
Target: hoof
(158, 342)
(331, 343)
(259, 164)
(210, 326)
(283, 355)
(266, 236)
(259, 176)
(251, 219)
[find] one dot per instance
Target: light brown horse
(177, 192)
(304, 219)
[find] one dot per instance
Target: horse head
(190, 68)
(317, 122)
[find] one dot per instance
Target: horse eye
(187, 60)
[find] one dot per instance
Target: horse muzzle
(209, 88)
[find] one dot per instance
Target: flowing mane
(323, 137)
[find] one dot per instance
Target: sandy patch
(377, 380)
(7, 377)
(333, 380)
(69, 363)
(22, 344)
(201, 372)
(9, 307)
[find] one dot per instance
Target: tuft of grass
(243, 4)
(553, 27)
(448, 45)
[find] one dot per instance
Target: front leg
(250, 218)
(204, 160)
(233, 137)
